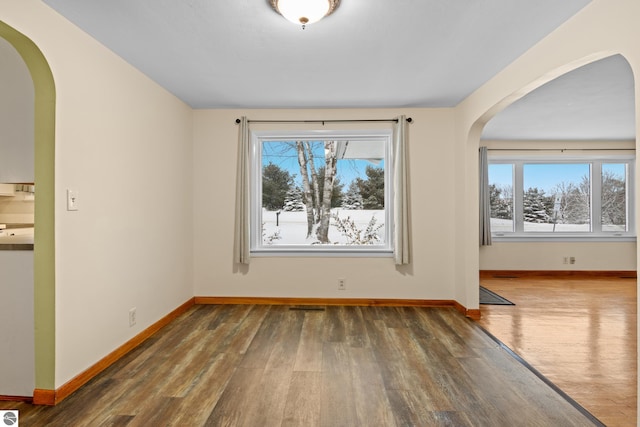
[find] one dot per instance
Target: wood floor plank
(451, 337)
(303, 401)
(261, 346)
(371, 402)
(283, 356)
(268, 403)
(239, 393)
(335, 358)
(457, 419)
(157, 411)
(413, 319)
(408, 409)
(117, 421)
(334, 329)
(198, 404)
(355, 328)
(246, 329)
(309, 352)
(190, 369)
(337, 403)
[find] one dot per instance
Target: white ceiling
(369, 53)
(594, 102)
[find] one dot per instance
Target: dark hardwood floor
(579, 332)
(261, 365)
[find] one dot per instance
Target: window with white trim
(565, 198)
(321, 192)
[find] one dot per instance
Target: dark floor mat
(491, 298)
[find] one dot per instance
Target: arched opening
(44, 248)
(539, 144)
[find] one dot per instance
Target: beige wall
(589, 256)
(432, 173)
(125, 144)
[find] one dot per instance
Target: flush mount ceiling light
(303, 12)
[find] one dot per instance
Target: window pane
(323, 192)
(614, 197)
(501, 197)
(556, 197)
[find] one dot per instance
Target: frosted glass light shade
(303, 12)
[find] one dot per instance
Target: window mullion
(596, 196)
(518, 196)
(631, 199)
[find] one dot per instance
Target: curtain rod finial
(238, 121)
(409, 119)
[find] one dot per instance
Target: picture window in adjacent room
(556, 197)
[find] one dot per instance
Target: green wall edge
(44, 240)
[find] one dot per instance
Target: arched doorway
(44, 248)
(589, 328)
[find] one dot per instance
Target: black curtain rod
(561, 149)
(327, 121)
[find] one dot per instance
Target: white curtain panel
(401, 249)
(485, 203)
(242, 250)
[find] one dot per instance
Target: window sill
(335, 253)
(562, 238)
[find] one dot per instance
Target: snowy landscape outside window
(560, 198)
(321, 192)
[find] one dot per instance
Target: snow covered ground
(292, 226)
(506, 225)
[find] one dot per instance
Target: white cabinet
(7, 190)
(17, 352)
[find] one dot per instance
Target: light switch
(72, 200)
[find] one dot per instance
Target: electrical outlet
(572, 260)
(565, 260)
(132, 317)
(342, 284)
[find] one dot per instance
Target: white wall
(16, 117)
(432, 169)
(125, 144)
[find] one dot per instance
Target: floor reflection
(580, 333)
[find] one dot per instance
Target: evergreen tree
(293, 200)
(501, 202)
(372, 189)
(352, 198)
(537, 207)
(275, 184)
